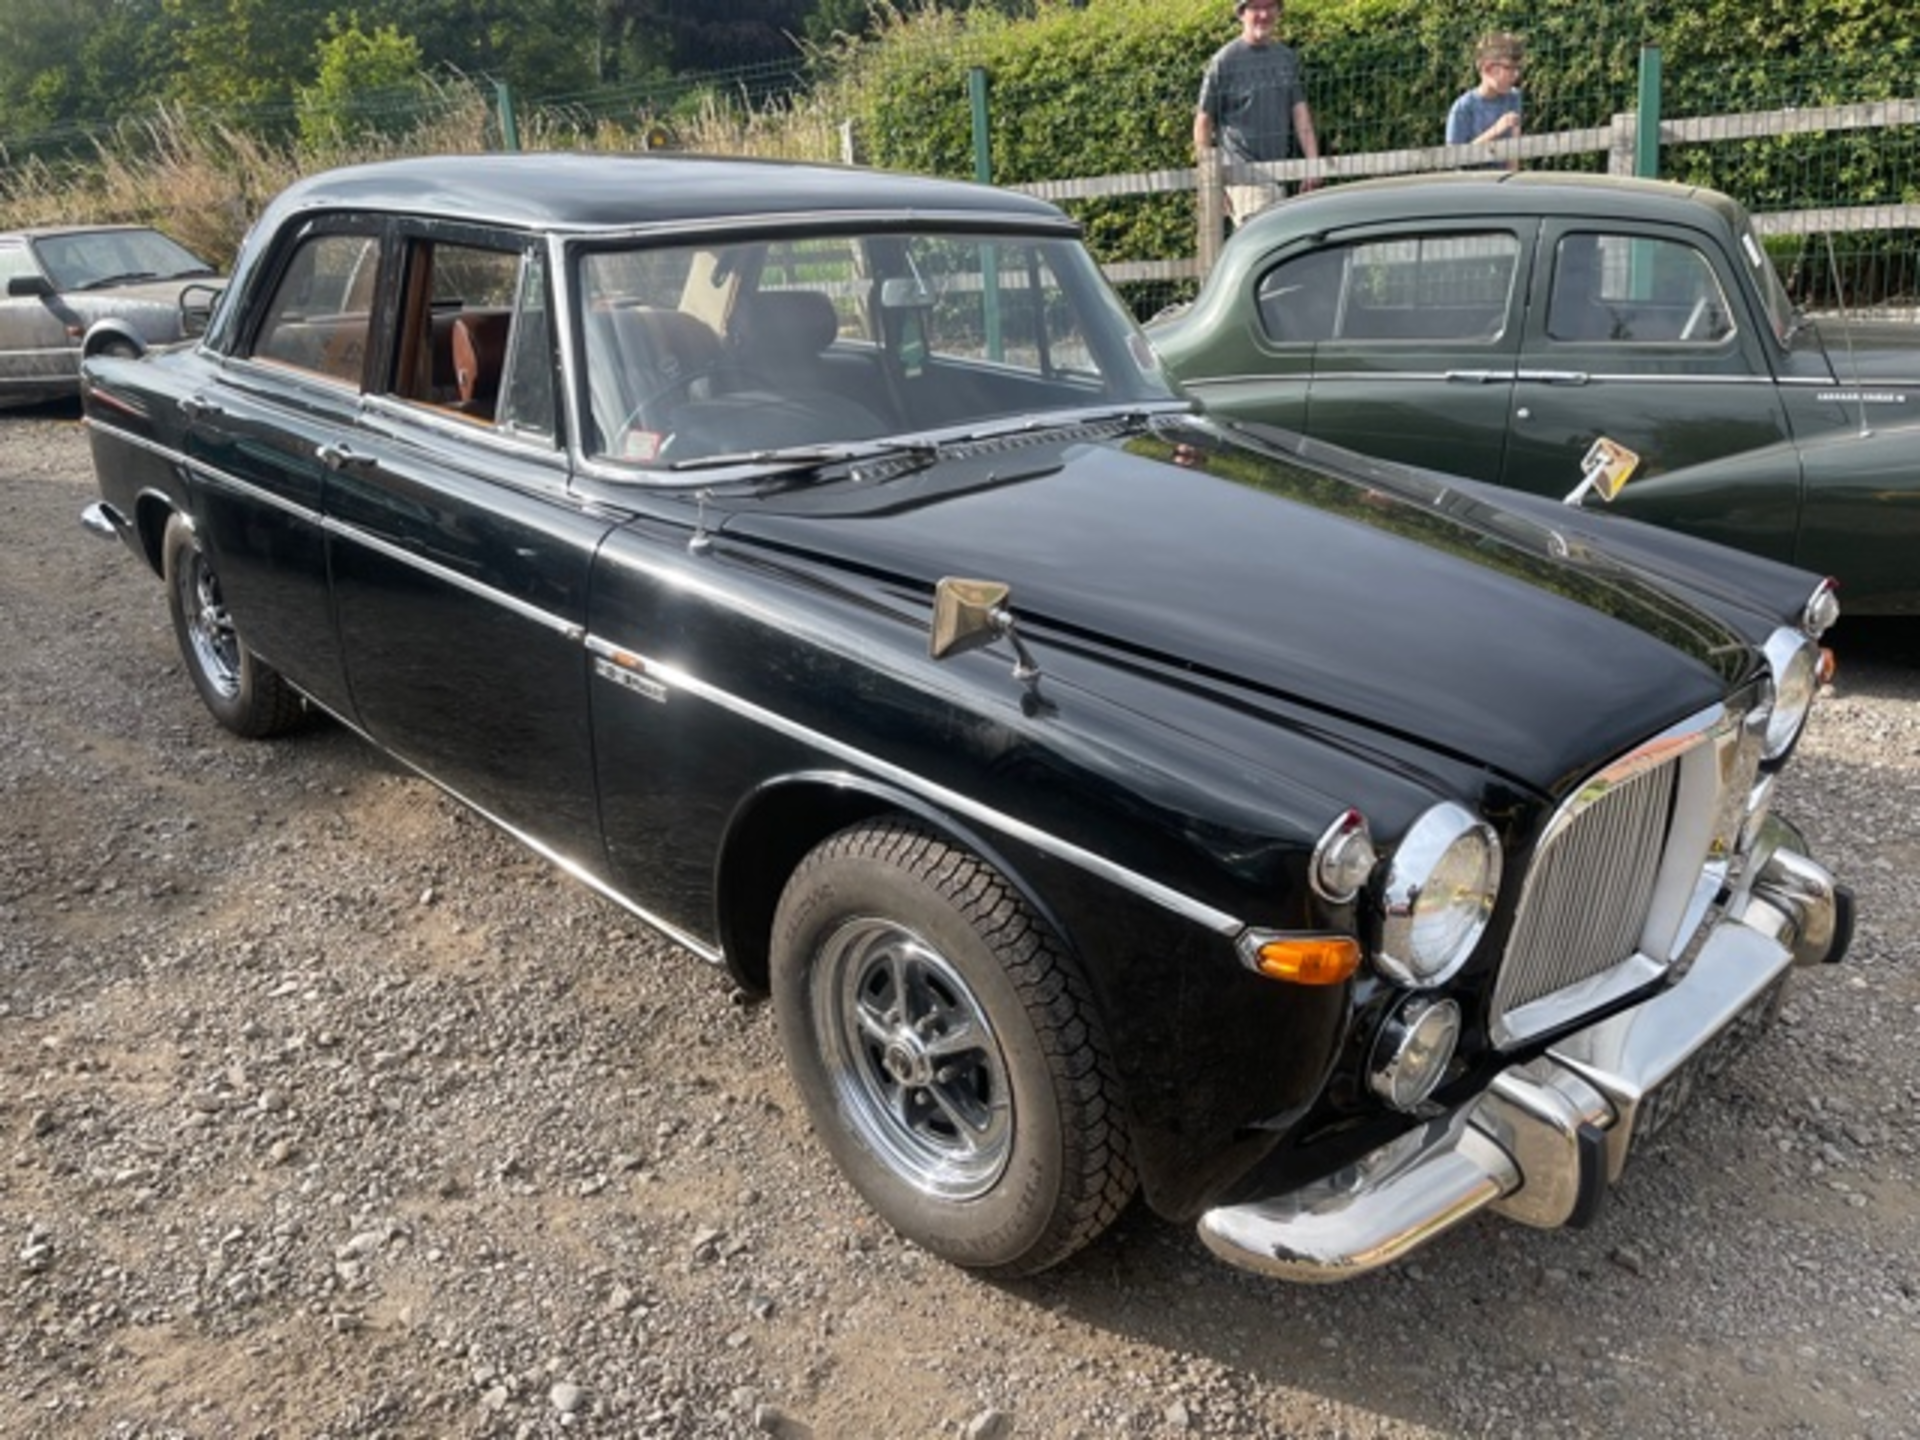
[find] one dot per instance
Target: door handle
(1555, 377)
(342, 457)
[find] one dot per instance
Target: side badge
(631, 679)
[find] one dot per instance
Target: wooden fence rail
(1616, 140)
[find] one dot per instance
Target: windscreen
(86, 260)
(703, 350)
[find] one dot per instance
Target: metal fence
(1827, 157)
(1865, 255)
(1834, 184)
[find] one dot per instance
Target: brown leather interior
(479, 352)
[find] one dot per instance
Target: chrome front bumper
(1545, 1140)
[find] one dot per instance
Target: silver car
(77, 291)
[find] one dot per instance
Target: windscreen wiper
(105, 280)
(1137, 413)
(810, 457)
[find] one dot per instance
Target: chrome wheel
(912, 1059)
(248, 697)
(209, 629)
(948, 1050)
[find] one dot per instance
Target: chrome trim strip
(889, 217)
(1663, 379)
(1204, 915)
(1457, 375)
(489, 434)
(711, 954)
(232, 484)
(1199, 913)
(141, 442)
(566, 629)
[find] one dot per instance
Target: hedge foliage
(1107, 87)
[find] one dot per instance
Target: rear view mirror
(39, 285)
(905, 292)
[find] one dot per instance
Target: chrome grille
(1623, 873)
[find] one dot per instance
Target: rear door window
(1415, 288)
(320, 317)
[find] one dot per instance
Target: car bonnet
(1395, 601)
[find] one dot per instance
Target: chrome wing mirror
(969, 614)
(1604, 471)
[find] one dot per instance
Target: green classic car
(1497, 325)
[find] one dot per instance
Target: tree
(78, 62)
(245, 53)
(369, 82)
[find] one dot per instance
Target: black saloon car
(78, 290)
(816, 563)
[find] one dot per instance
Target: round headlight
(1438, 896)
(1795, 664)
(1413, 1050)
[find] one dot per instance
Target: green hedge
(1107, 87)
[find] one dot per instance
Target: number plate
(1659, 1106)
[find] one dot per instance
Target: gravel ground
(325, 1111)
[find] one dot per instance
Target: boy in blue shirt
(1491, 110)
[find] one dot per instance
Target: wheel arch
(780, 822)
(151, 512)
(111, 331)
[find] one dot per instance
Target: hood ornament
(969, 614)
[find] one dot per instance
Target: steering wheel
(669, 395)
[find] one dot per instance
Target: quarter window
(1440, 287)
(527, 399)
(1635, 289)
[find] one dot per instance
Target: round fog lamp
(1413, 1050)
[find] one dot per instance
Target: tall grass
(203, 181)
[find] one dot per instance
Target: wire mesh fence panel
(1825, 153)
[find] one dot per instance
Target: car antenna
(1846, 329)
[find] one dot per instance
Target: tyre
(948, 1051)
(119, 348)
(246, 696)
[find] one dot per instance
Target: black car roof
(575, 191)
